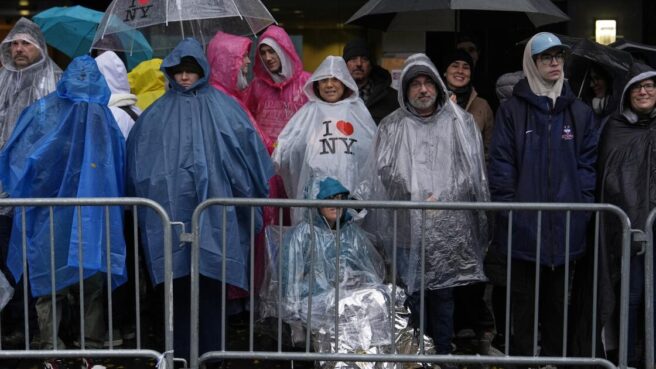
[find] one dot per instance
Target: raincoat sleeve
(387, 163)
(587, 159)
(503, 165)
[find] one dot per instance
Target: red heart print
(143, 2)
(345, 127)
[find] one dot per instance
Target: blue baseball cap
(544, 41)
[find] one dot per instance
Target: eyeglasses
(416, 85)
(339, 196)
(547, 59)
(649, 87)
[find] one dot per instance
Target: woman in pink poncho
(275, 94)
(228, 57)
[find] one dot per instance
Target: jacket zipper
(549, 183)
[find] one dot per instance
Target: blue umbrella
(71, 30)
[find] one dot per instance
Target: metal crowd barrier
(139, 351)
(597, 210)
(649, 290)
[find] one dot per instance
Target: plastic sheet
(438, 158)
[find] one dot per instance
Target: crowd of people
(192, 127)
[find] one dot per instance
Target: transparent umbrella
(165, 22)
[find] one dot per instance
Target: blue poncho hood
(67, 144)
(191, 145)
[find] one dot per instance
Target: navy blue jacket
(543, 153)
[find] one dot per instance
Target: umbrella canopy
(640, 51)
(391, 14)
(165, 22)
(71, 30)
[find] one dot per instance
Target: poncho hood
(147, 82)
(82, 81)
(332, 66)
(415, 65)
(225, 54)
(637, 73)
(280, 37)
(113, 69)
(187, 47)
(22, 87)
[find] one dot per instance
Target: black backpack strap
(130, 112)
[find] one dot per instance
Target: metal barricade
(78, 204)
(649, 289)
(252, 354)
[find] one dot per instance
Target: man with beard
(429, 149)
(373, 81)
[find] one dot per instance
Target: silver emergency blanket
(325, 139)
(366, 329)
(21, 88)
(438, 158)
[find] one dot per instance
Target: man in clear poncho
(309, 271)
(331, 135)
(27, 74)
(430, 150)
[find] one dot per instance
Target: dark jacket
(383, 98)
(627, 171)
(543, 153)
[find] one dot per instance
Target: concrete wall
(627, 13)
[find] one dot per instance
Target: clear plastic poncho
(435, 158)
(22, 87)
(308, 257)
(325, 139)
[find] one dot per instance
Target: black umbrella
(385, 14)
(647, 53)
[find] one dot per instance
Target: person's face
(550, 64)
(598, 85)
(246, 62)
(330, 89)
(186, 79)
(422, 94)
(643, 96)
(458, 74)
(332, 214)
(270, 58)
(360, 68)
(24, 53)
(470, 48)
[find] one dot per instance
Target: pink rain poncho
(226, 56)
(273, 103)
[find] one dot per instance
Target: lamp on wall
(605, 31)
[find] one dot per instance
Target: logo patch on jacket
(330, 144)
(567, 135)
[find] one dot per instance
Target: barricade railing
(649, 289)
(595, 211)
(77, 221)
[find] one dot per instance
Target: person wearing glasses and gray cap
(543, 149)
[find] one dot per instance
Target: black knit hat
(458, 54)
(356, 47)
(187, 64)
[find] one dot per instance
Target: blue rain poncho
(67, 144)
(187, 147)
